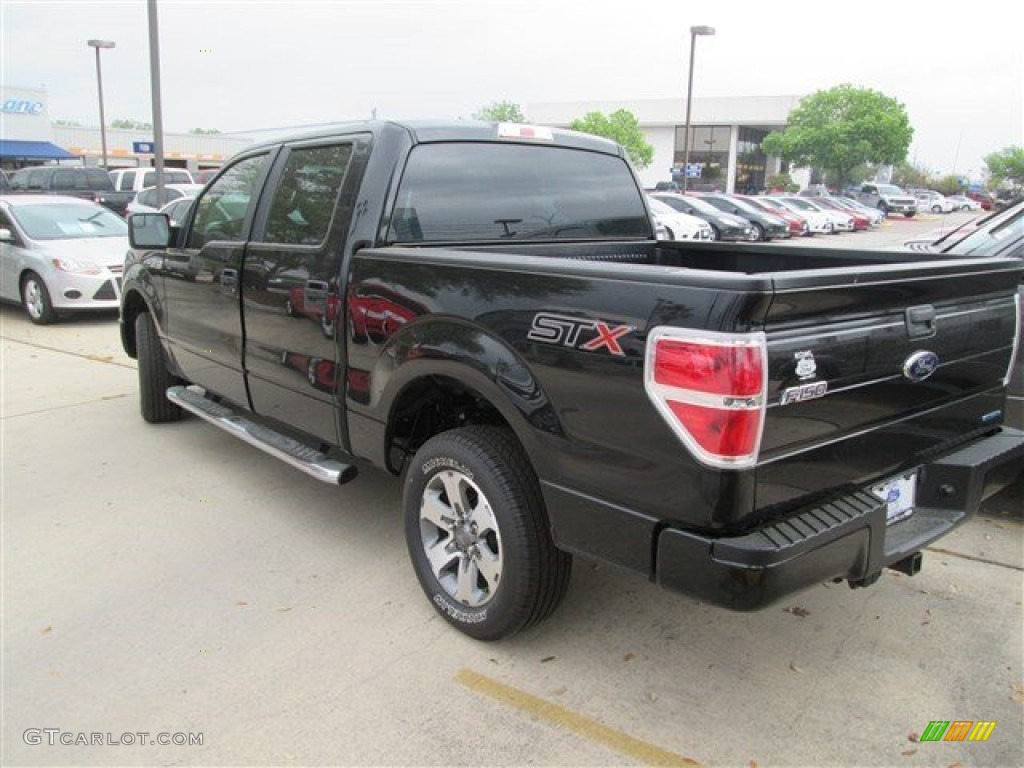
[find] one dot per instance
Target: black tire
(154, 378)
(499, 526)
(759, 233)
(716, 232)
(35, 300)
(910, 214)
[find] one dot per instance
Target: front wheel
(478, 535)
(910, 214)
(154, 378)
(759, 233)
(35, 299)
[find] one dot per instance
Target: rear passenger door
(291, 296)
(203, 300)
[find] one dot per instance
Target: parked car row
(771, 217)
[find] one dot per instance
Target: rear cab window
(465, 191)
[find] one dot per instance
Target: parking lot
(170, 580)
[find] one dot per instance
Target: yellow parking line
(553, 714)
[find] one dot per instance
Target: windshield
(170, 177)
(890, 189)
(702, 205)
(801, 204)
(1006, 238)
(456, 191)
(63, 221)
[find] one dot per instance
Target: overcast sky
(958, 69)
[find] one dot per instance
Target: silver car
(60, 254)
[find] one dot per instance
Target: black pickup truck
(90, 183)
(483, 310)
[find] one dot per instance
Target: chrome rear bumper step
(299, 455)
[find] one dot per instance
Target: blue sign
(693, 170)
(20, 107)
(144, 147)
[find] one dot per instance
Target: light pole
(694, 31)
(97, 44)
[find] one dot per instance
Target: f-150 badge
(806, 369)
(575, 332)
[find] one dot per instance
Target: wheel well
(429, 406)
(131, 307)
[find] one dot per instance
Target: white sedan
(60, 253)
(679, 225)
(933, 201)
(145, 200)
(818, 222)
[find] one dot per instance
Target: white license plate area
(899, 494)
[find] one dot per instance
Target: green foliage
(1007, 165)
(782, 181)
(841, 128)
(500, 112)
(909, 175)
(621, 126)
(131, 125)
(203, 131)
(948, 185)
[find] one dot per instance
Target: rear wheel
(35, 299)
(910, 214)
(478, 535)
(154, 378)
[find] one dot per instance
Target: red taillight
(720, 370)
(710, 389)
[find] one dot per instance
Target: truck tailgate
(877, 373)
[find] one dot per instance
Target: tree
(909, 175)
(500, 112)
(621, 126)
(1007, 165)
(782, 182)
(131, 125)
(203, 131)
(843, 127)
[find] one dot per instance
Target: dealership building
(726, 135)
(28, 137)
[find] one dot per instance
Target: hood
(105, 251)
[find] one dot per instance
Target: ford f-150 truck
(483, 310)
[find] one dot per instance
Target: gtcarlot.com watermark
(53, 737)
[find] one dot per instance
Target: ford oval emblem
(920, 365)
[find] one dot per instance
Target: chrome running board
(299, 455)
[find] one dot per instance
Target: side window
(68, 179)
(223, 207)
(149, 180)
(128, 180)
(304, 200)
(147, 197)
(37, 179)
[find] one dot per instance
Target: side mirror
(6, 236)
(149, 230)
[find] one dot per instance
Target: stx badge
(575, 332)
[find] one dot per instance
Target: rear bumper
(843, 538)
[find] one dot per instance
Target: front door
(203, 301)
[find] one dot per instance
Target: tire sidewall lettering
(440, 463)
(457, 613)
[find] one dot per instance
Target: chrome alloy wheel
(460, 538)
(35, 303)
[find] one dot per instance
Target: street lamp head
(100, 43)
(702, 31)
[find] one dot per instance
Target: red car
(860, 220)
(797, 223)
(984, 199)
